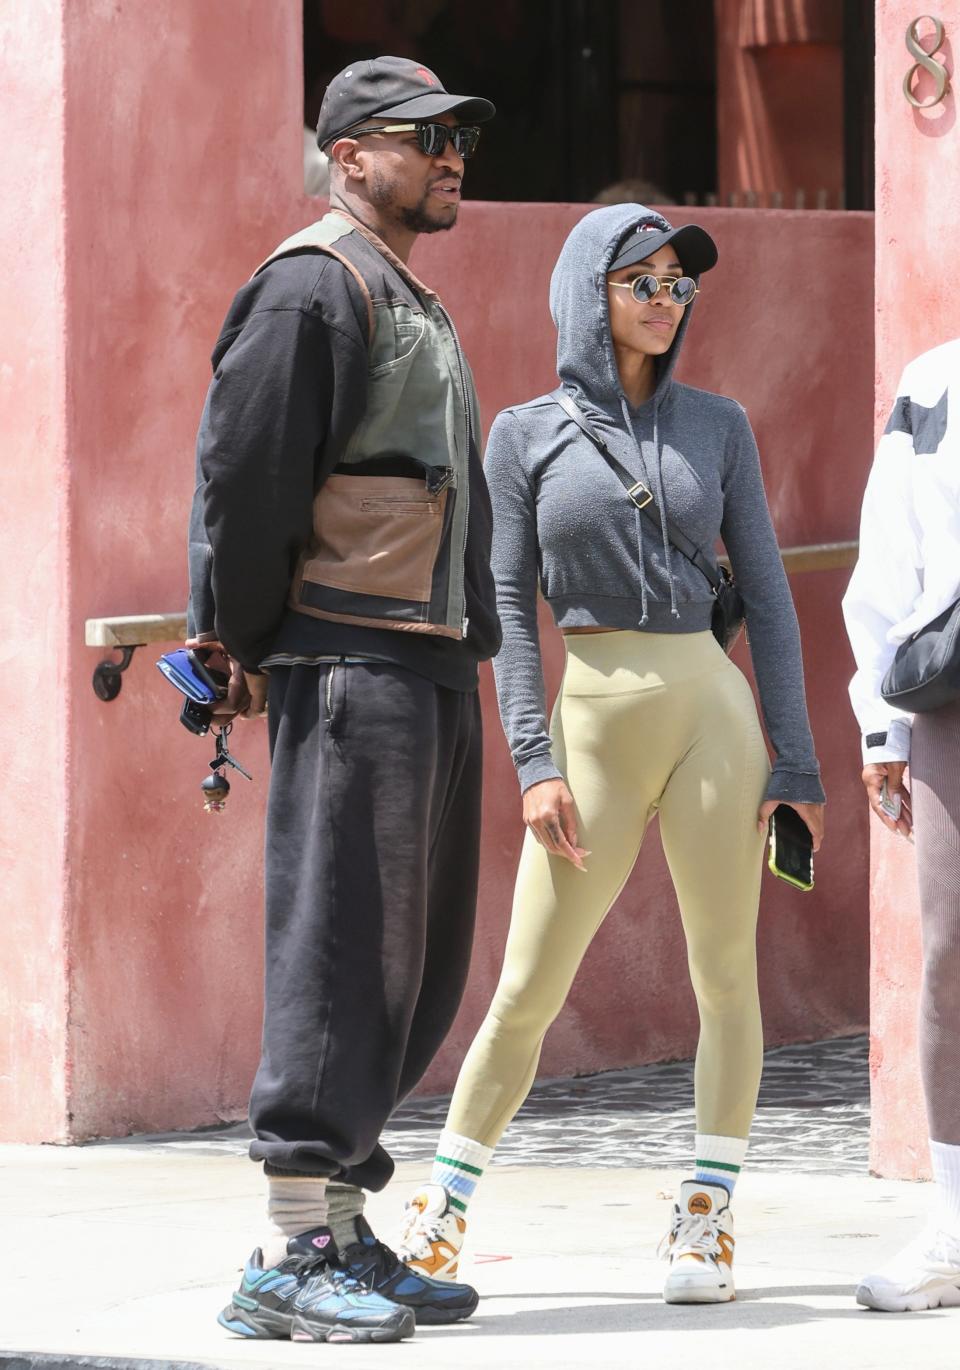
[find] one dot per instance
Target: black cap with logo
(693, 245)
(391, 87)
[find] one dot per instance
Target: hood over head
(587, 364)
(580, 310)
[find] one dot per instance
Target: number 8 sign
(939, 73)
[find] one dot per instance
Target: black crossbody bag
(726, 622)
(925, 673)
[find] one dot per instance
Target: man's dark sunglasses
(432, 138)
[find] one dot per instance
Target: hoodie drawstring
(662, 501)
(638, 523)
(644, 593)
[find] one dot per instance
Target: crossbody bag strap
(640, 495)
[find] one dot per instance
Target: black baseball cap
(394, 88)
(693, 245)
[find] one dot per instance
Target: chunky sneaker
(376, 1267)
(925, 1274)
(309, 1297)
(432, 1234)
(699, 1246)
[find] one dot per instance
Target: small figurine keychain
(216, 787)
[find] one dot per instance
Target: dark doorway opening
(590, 94)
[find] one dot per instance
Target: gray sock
(295, 1204)
(344, 1204)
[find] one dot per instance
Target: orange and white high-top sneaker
(432, 1234)
(699, 1246)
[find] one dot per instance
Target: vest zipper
(465, 489)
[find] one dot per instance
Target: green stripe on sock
(717, 1165)
(460, 1165)
(455, 1203)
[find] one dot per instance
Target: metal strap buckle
(640, 495)
(439, 479)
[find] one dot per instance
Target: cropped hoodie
(562, 519)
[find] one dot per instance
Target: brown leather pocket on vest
(376, 535)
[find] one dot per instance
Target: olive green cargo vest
(390, 523)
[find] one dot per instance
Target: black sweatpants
(373, 837)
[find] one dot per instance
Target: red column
(917, 261)
(153, 155)
(34, 740)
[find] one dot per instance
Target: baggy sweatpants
(372, 851)
(645, 724)
(935, 789)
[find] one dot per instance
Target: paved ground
(129, 1249)
(813, 1116)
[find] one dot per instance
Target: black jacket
(290, 388)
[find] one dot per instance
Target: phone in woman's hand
(791, 848)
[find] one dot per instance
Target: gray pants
(935, 785)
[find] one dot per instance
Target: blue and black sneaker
(379, 1269)
(309, 1296)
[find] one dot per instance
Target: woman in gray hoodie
(652, 716)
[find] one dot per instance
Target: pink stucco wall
(35, 748)
(917, 255)
(182, 159)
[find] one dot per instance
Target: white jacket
(908, 570)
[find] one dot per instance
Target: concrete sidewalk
(130, 1252)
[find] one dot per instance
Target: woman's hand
(812, 815)
(873, 777)
(550, 814)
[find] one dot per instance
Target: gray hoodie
(562, 519)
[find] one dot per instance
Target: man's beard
(416, 219)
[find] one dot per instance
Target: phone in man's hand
(191, 673)
(890, 803)
(202, 676)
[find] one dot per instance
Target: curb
(42, 1360)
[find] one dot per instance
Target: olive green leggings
(644, 723)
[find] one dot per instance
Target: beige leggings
(644, 723)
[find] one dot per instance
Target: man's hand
(246, 695)
(550, 814)
(812, 815)
(256, 687)
(873, 777)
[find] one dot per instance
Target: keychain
(216, 787)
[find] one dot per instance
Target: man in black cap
(339, 554)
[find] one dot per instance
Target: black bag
(925, 673)
(726, 621)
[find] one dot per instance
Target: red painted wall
(917, 251)
(182, 170)
(35, 746)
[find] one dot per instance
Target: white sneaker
(432, 1234)
(925, 1274)
(699, 1246)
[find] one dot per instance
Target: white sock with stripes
(718, 1159)
(945, 1160)
(458, 1166)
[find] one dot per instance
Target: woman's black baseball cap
(394, 88)
(693, 245)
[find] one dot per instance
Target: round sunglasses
(681, 289)
(431, 138)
